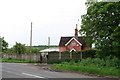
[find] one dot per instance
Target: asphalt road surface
(18, 70)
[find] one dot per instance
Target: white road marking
(33, 75)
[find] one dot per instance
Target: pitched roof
(64, 40)
(73, 38)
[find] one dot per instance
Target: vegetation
(19, 48)
(3, 45)
(58, 61)
(108, 66)
(11, 60)
(89, 53)
(101, 25)
(44, 46)
(0, 59)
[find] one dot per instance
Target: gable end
(71, 40)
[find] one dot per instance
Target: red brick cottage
(73, 43)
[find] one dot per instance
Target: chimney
(76, 31)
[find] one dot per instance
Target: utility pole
(31, 41)
(48, 42)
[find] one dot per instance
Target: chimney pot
(76, 31)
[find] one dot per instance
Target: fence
(52, 56)
(63, 56)
(27, 57)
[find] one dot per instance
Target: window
(73, 44)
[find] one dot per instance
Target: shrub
(108, 66)
(57, 61)
(66, 52)
(88, 53)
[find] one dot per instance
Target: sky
(50, 18)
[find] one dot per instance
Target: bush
(66, 52)
(88, 53)
(58, 61)
(108, 66)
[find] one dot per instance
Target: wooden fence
(27, 57)
(47, 58)
(64, 56)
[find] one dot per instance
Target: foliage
(35, 50)
(101, 25)
(58, 61)
(92, 66)
(10, 50)
(3, 44)
(12, 60)
(19, 48)
(41, 47)
(88, 53)
(66, 52)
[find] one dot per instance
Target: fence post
(70, 55)
(81, 55)
(59, 55)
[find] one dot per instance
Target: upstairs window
(73, 44)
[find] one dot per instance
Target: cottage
(72, 43)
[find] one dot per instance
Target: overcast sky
(54, 18)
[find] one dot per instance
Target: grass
(0, 59)
(92, 66)
(10, 60)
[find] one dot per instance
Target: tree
(19, 48)
(35, 50)
(3, 45)
(101, 25)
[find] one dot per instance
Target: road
(18, 70)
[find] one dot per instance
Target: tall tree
(101, 25)
(19, 48)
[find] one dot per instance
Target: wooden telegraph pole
(31, 41)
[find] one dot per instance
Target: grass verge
(92, 66)
(9, 60)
